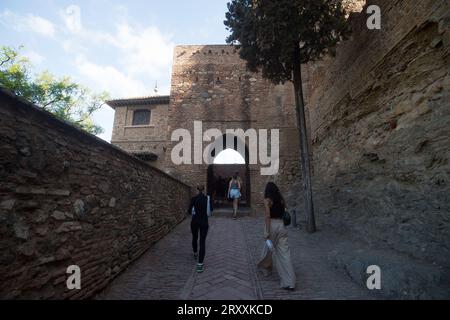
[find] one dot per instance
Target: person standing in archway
(234, 192)
(200, 208)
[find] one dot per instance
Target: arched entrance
(227, 162)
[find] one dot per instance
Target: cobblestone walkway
(167, 270)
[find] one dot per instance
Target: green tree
(276, 38)
(64, 98)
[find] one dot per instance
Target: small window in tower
(141, 117)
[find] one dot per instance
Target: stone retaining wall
(69, 198)
(380, 120)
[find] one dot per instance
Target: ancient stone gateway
(379, 126)
(211, 86)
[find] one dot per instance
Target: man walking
(200, 208)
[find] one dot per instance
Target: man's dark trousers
(196, 228)
(199, 223)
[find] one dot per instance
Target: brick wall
(66, 197)
(150, 138)
(211, 84)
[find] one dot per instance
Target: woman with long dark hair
(276, 231)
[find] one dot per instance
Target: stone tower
(211, 84)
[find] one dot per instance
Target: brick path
(167, 270)
(316, 278)
(227, 274)
(160, 273)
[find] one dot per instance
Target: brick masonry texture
(152, 138)
(167, 270)
(380, 120)
(68, 198)
(211, 84)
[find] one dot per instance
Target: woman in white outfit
(276, 231)
(234, 192)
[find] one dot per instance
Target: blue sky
(123, 47)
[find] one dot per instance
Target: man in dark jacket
(199, 223)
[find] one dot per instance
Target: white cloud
(72, 45)
(28, 23)
(103, 77)
(109, 78)
(144, 56)
(143, 53)
(41, 25)
(144, 50)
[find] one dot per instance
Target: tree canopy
(64, 98)
(270, 34)
(277, 37)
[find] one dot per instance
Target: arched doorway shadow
(219, 174)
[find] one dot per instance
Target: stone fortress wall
(69, 198)
(379, 122)
(380, 128)
(211, 84)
